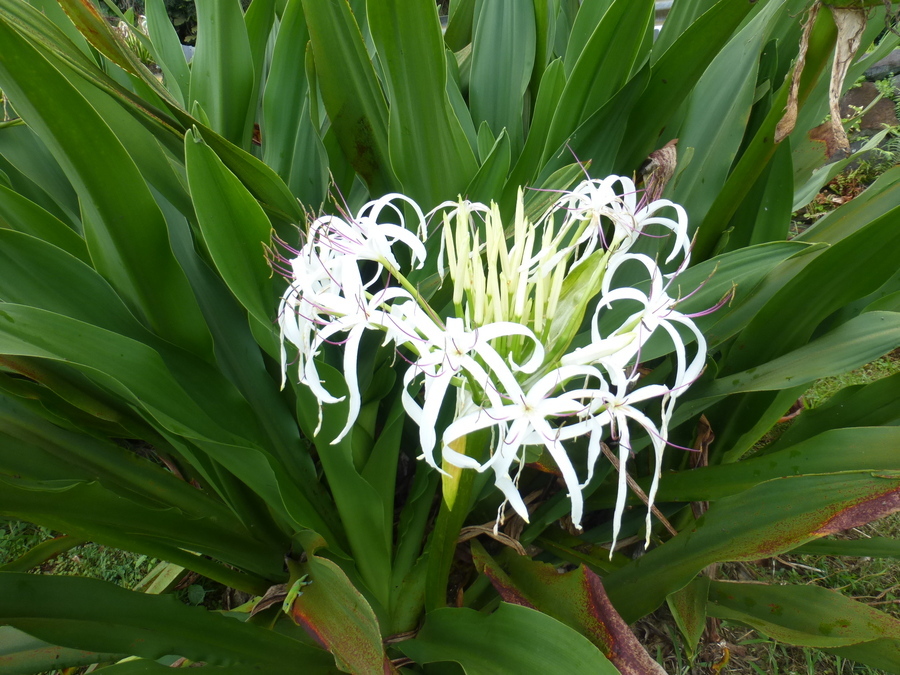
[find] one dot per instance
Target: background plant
(147, 312)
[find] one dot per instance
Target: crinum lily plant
(510, 350)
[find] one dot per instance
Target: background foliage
(137, 303)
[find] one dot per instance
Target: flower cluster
(516, 352)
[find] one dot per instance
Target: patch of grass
(88, 560)
(822, 390)
(872, 581)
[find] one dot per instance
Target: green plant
(138, 303)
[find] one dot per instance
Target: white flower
(452, 353)
(506, 352)
(524, 419)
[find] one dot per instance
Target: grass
(88, 560)
(873, 581)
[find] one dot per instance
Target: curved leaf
(429, 152)
(133, 252)
(769, 518)
(94, 615)
(234, 227)
(512, 639)
(810, 616)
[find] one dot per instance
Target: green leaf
(526, 167)
(168, 50)
(576, 598)
(330, 608)
(688, 607)
(40, 554)
(874, 404)
(486, 185)
(429, 151)
(86, 17)
(213, 416)
(825, 453)
(459, 24)
(873, 547)
(503, 52)
(675, 73)
(810, 616)
(134, 254)
(717, 115)
(603, 68)
(350, 91)
(286, 91)
(512, 639)
(850, 345)
(769, 518)
(21, 654)
(234, 227)
(18, 213)
(98, 616)
(91, 512)
(222, 70)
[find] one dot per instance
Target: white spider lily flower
(659, 312)
(616, 410)
(452, 353)
(357, 318)
(593, 200)
(522, 419)
(520, 295)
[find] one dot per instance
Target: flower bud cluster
(528, 352)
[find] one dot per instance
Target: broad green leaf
(459, 24)
(487, 184)
(756, 156)
(674, 75)
(222, 70)
(234, 227)
(329, 607)
(429, 151)
(91, 512)
(27, 153)
(769, 518)
(168, 51)
(86, 17)
(586, 20)
(688, 607)
(216, 419)
(493, 643)
(503, 53)
(526, 167)
(366, 516)
(576, 598)
(133, 253)
(877, 403)
(879, 198)
(682, 16)
(717, 115)
(810, 616)
(809, 290)
(350, 91)
(21, 654)
(825, 453)
(98, 616)
(285, 92)
(147, 667)
(805, 193)
(874, 547)
(603, 68)
(18, 213)
(259, 21)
